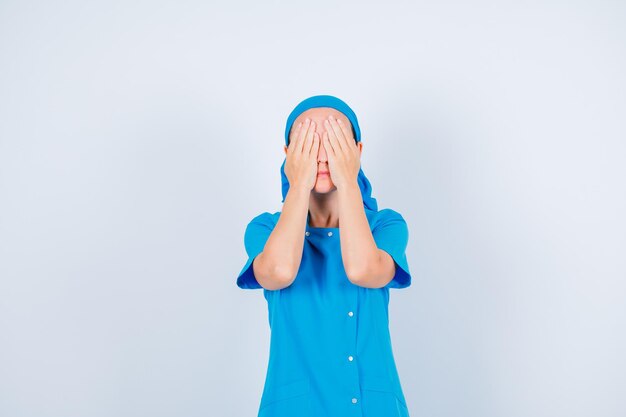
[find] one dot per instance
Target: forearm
(358, 247)
(283, 250)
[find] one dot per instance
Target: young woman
(326, 263)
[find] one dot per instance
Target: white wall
(137, 140)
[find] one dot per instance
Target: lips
(323, 173)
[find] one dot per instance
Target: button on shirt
(330, 346)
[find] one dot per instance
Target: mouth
(322, 173)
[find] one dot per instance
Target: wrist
(299, 189)
(349, 186)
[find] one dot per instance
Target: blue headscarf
(330, 101)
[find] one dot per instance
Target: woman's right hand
(301, 160)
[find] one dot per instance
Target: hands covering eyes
(344, 158)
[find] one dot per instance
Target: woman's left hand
(344, 157)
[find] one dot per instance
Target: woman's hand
(344, 158)
(301, 163)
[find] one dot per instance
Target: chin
(324, 187)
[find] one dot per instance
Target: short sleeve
(257, 233)
(391, 234)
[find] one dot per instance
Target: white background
(137, 139)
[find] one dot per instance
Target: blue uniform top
(330, 346)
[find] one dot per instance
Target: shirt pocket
(380, 399)
(286, 400)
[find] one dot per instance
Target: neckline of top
(321, 228)
(308, 227)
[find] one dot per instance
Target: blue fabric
(313, 334)
(256, 235)
(337, 104)
(391, 234)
